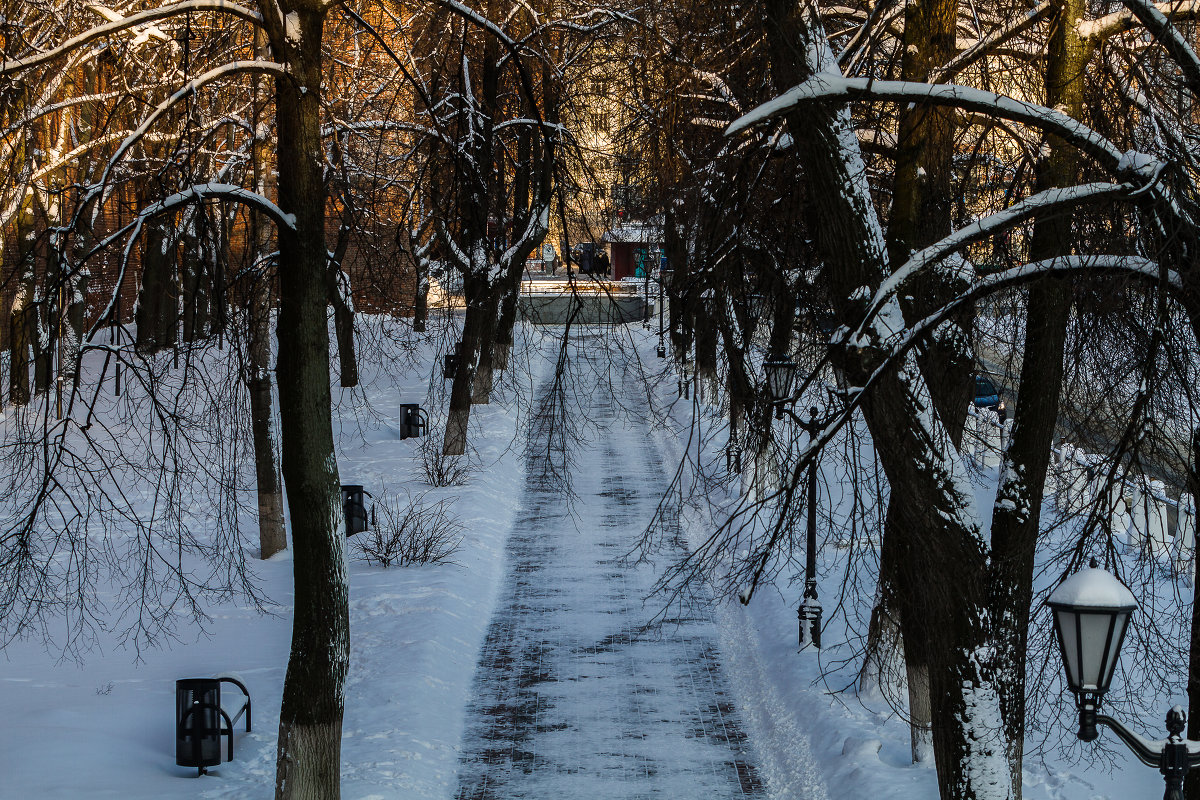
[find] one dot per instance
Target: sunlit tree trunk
(272, 537)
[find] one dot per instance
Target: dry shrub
(409, 530)
(439, 469)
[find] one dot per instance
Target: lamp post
(809, 612)
(664, 275)
(1091, 611)
(781, 375)
(646, 290)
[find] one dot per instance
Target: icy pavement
(577, 694)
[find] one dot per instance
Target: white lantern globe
(1091, 614)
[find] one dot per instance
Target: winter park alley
(578, 692)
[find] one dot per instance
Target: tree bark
(920, 216)
(43, 338)
(1017, 512)
(481, 386)
(272, 536)
(310, 719)
(193, 279)
(1191, 784)
(156, 311)
(421, 295)
(949, 595)
(23, 315)
(459, 412)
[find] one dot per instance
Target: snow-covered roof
(634, 232)
(1093, 588)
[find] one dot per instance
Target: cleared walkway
(576, 695)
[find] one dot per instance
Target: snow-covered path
(576, 694)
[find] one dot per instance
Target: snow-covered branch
(8, 67)
(215, 74)
(192, 194)
(827, 86)
(220, 191)
(1124, 20)
(1045, 202)
(1170, 38)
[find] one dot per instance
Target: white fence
(1137, 510)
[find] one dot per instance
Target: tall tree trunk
(481, 387)
(343, 326)
(272, 537)
(421, 294)
(1191, 784)
(310, 719)
(23, 316)
(459, 413)
(920, 216)
(45, 324)
(193, 279)
(950, 593)
(1017, 512)
(76, 313)
(155, 315)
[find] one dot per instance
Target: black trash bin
(413, 421)
(198, 723)
(354, 506)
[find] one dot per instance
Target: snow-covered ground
(104, 727)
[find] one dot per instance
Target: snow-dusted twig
(1041, 203)
(1171, 38)
(993, 40)
(217, 73)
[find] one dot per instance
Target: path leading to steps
(576, 694)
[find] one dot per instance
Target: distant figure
(602, 263)
(582, 256)
(548, 258)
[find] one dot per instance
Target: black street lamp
(758, 304)
(1091, 612)
(809, 612)
(646, 295)
(781, 374)
(664, 275)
